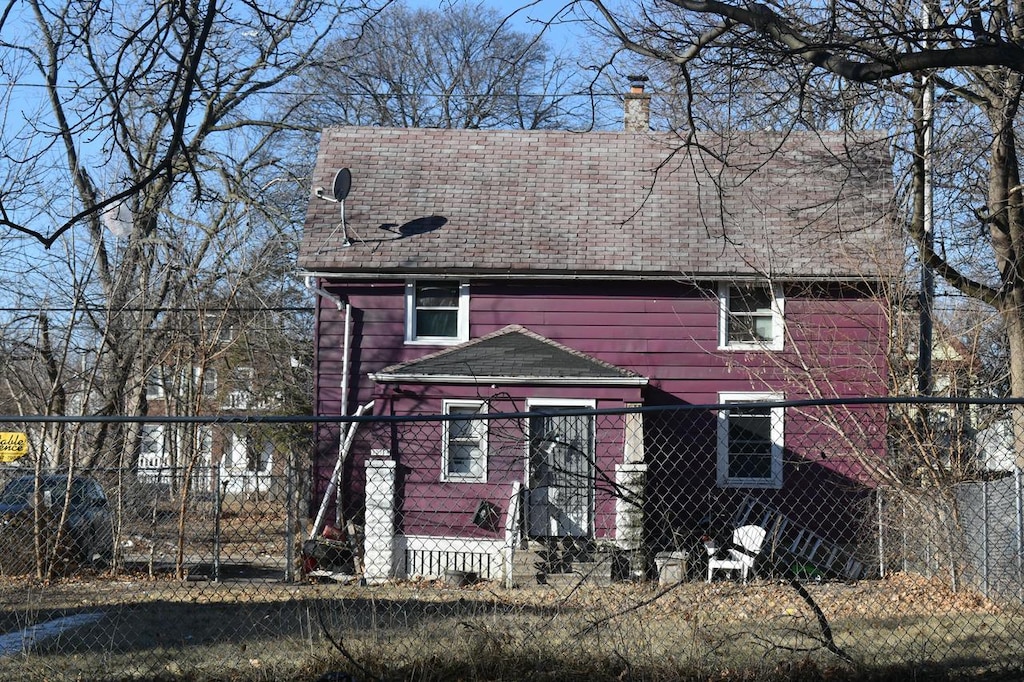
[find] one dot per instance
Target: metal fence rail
(486, 542)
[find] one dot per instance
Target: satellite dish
(342, 184)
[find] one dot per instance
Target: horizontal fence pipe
(333, 419)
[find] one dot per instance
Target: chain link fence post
(218, 504)
(291, 516)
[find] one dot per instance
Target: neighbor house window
(155, 385)
(216, 324)
(465, 443)
(751, 317)
(153, 454)
(750, 436)
(436, 312)
(207, 380)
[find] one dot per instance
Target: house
(950, 441)
(468, 273)
(227, 377)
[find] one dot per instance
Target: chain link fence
(757, 540)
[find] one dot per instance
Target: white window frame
(462, 331)
(478, 469)
(225, 331)
(570, 403)
(777, 430)
(777, 311)
(206, 381)
(155, 384)
(153, 447)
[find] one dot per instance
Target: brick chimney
(637, 107)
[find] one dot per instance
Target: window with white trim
(750, 441)
(206, 378)
(152, 447)
(240, 385)
(464, 456)
(436, 312)
(750, 317)
(155, 385)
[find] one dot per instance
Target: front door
(561, 474)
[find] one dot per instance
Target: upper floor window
(217, 326)
(207, 380)
(436, 312)
(750, 441)
(155, 385)
(465, 443)
(750, 317)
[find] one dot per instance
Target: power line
(93, 309)
(355, 93)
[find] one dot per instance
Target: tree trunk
(1015, 337)
(1006, 229)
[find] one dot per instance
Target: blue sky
(526, 15)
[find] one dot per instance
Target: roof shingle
(511, 354)
(561, 203)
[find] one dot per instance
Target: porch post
(629, 515)
(379, 542)
(630, 480)
(513, 523)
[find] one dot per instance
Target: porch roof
(511, 355)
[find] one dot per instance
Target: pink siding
(432, 506)
(664, 331)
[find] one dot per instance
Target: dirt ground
(253, 629)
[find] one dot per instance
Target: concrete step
(556, 566)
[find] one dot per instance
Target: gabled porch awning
(512, 355)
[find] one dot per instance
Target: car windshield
(20, 491)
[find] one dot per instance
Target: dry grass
(160, 629)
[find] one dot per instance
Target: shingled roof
(513, 354)
(601, 204)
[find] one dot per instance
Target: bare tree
(461, 66)
(883, 62)
(135, 151)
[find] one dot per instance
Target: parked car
(88, 533)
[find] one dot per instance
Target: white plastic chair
(750, 539)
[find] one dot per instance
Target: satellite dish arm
(319, 191)
(340, 188)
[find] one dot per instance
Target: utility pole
(926, 295)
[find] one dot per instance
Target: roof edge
(578, 276)
(415, 378)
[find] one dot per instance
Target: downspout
(343, 438)
(320, 291)
(346, 351)
(345, 306)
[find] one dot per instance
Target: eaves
(399, 378)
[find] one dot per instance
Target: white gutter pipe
(343, 442)
(346, 350)
(334, 298)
